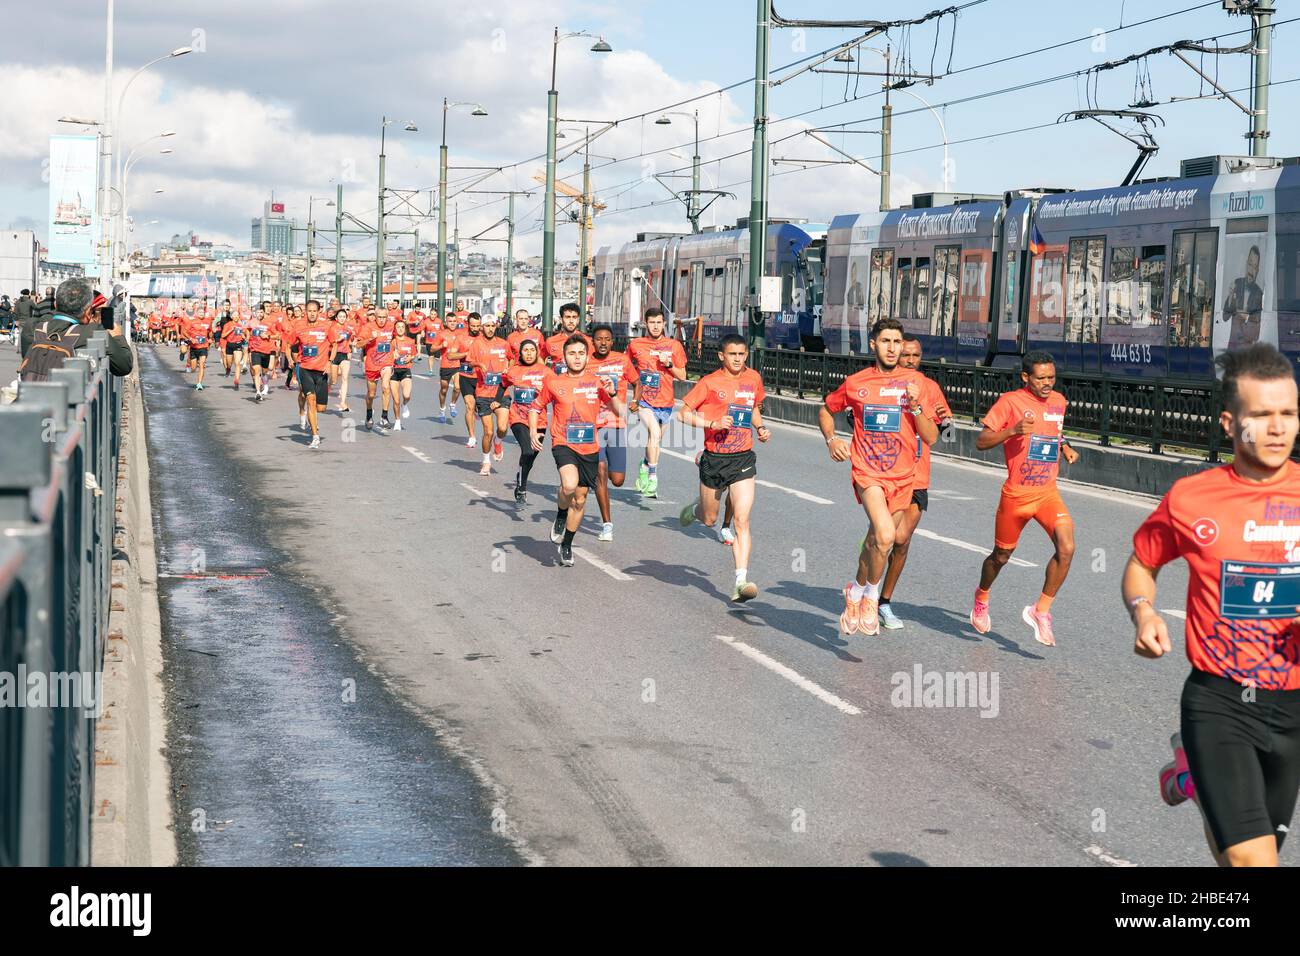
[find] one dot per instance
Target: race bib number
(1258, 591)
(383, 348)
(492, 378)
(310, 351)
(580, 434)
(742, 416)
(650, 380)
(1044, 448)
(466, 368)
(525, 396)
(882, 418)
(200, 340)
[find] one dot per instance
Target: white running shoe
(406, 411)
(606, 532)
(471, 441)
(726, 535)
(302, 422)
(397, 425)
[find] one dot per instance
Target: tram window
(697, 288)
(1009, 290)
(1135, 286)
(1121, 288)
(921, 293)
(1046, 293)
(903, 290)
(1151, 286)
(944, 314)
(880, 297)
(1083, 302)
(1191, 288)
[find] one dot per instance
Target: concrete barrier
(132, 801)
(1123, 469)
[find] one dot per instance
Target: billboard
(176, 285)
(74, 226)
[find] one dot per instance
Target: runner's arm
(1151, 634)
(839, 448)
(989, 438)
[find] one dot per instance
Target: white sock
(856, 591)
(872, 590)
(741, 575)
(487, 458)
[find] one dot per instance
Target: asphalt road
(621, 711)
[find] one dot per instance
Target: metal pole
(311, 247)
(886, 140)
(758, 175)
(379, 233)
(338, 244)
(510, 259)
(455, 259)
(584, 228)
(1259, 113)
(548, 217)
(693, 207)
(442, 214)
(415, 270)
(106, 162)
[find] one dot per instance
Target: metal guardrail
(59, 445)
(1151, 412)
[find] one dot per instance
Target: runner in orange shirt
(405, 351)
(234, 339)
(432, 332)
(1029, 424)
(575, 397)
(261, 347)
(198, 334)
(936, 406)
(315, 341)
(728, 405)
(611, 430)
(341, 365)
(489, 356)
(659, 361)
(467, 380)
(448, 369)
(1238, 528)
(376, 342)
(888, 414)
(570, 319)
(524, 380)
(524, 331)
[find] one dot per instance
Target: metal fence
(58, 475)
(1150, 412)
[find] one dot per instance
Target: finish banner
(74, 225)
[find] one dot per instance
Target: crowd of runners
(1237, 754)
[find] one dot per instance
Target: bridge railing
(1153, 413)
(59, 445)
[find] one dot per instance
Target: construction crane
(591, 204)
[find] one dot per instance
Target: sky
(288, 96)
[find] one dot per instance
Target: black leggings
(526, 454)
(1244, 757)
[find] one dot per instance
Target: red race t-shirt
(489, 357)
(378, 339)
(519, 336)
(313, 339)
(1241, 541)
(405, 351)
(1032, 460)
(577, 400)
(884, 432)
(936, 407)
(261, 337)
(720, 394)
(651, 358)
(616, 368)
(524, 382)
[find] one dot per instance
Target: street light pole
(379, 233)
(510, 259)
(584, 227)
(758, 176)
(104, 245)
(338, 243)
(442, 199)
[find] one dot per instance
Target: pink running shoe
(498, 449)
(979, 617)
(852, 610)
(1041, 623)
(869, 617)
(1170, 792)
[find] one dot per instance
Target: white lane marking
(950, 495)
(759, 481)
(1174, 612)
(1100, 854)
(418, 454)
(1133, 499)
(793, 676)
(471, 488)
(967, 546)
(594, 561)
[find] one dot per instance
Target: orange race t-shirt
(405, 350)
(651, 358)
(489, 358)
(1032, 460)
(377, 339)
(720, 394)
(235, 332)
(555, 347)
(343, 335)
(577, 400)
(261, 337)
(198, 332)
(519, 336)
(1241, 541)
(936, 407)
(884, 432)
(524, 382)
(616, 368)
(313, 340)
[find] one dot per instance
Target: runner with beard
(467, 381)
(611, 429)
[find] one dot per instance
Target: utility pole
(107, 132)
(455, 259)
(584, 228)
(510, 259)
(415, 270)
(1259, 93)
(379, 231)
(886, 138)
(758, 175)
(442, 217)
(693, 208)
(311, 248)
(338, 244)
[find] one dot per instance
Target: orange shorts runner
(898, 492)
(1016, 511)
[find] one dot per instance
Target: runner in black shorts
(728, 405)
(1237, 526)
(524, 380)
